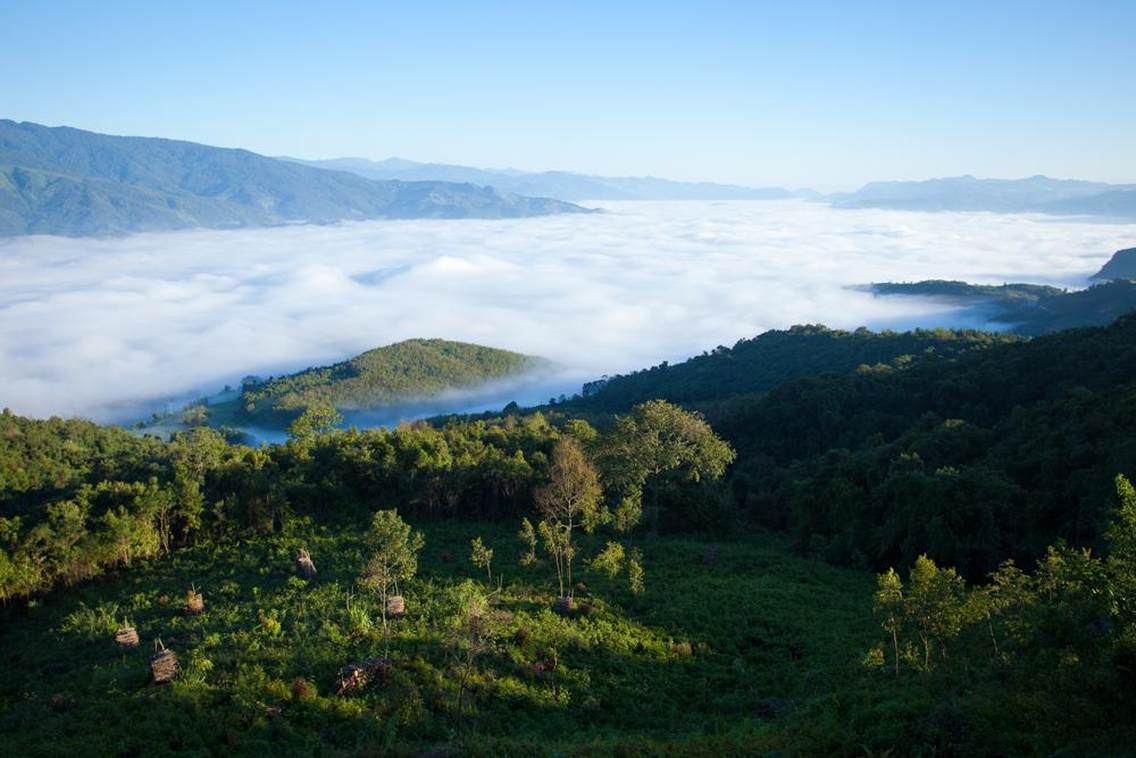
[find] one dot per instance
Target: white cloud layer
(95, 327)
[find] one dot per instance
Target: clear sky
(824, 94)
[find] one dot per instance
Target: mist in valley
(115, 328)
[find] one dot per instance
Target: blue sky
(824, 94)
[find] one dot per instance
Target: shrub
(100, 621)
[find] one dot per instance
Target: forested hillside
(412, 369)
(1030, 308)
(548, 567)
(771, 358)
(872, 449)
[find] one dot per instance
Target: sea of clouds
(110, 328)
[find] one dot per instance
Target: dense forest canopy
(985, 478)
(1031, 308)
(771, 358)
(408, 370)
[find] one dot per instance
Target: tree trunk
(895, 647)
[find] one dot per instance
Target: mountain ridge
(1034, 194)
(565, 185)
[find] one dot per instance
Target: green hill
(1033, 308)
(410, 370)
(769, 359)
(59, 180)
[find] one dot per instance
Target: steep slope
(72, 182)
(1122, 265)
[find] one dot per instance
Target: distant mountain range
(1036, 194)
(559, 184)
(59, 180)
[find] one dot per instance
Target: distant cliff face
(58, 180)
(1122, 265)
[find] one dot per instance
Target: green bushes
(1073, 611)
(198, 488)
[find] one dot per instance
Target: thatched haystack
(563, 605)
(127, 636)
(356, 676)
(305, 569)
(163, 666)
(194, 602)
(396, 607)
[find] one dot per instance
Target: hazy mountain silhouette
(59, 180)
(564, 185)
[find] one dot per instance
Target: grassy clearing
(709, 656)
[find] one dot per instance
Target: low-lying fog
(112, 328)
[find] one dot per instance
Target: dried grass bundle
(163, 666)
(356, 676)
(396, 607)
(194, 602)
(127, 636)
(305, 569)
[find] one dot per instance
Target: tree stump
(194, 603)
(356, 676)
(126, 637)
(305, 569)
(163, 666)
(395, 607)
(563, 605)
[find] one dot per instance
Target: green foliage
(527, 536)
(1031, 308)
(393, 553)
(933, 605)
(654, 440)
(609, 561)
(316, 420)
(971, 459)
(569, 499)
(100, 622)
(407, 370)
(636, 575)
(482, 557)
(1071, 615)
(775, 357)
(966, 457)
(632, 671)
